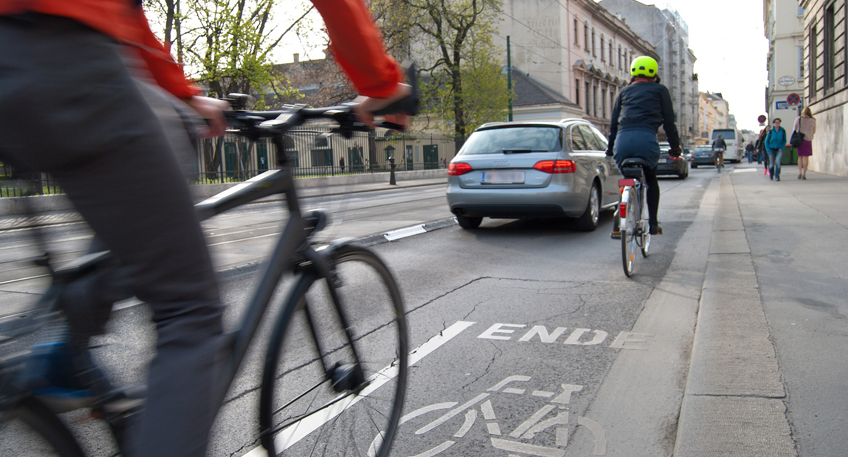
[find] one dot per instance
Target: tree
(465, 86)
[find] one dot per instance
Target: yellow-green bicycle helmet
(644, 66)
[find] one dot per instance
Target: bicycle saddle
(634, 162)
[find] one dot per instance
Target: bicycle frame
(291, 245)
(625, 185)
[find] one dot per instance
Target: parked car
(669, 165)
(703, 155)
(533, 170)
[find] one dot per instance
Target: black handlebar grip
(407, 105)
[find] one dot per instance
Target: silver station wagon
(533, 170)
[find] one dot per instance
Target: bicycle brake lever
(391, 126)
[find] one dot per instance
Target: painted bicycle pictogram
(554, 417)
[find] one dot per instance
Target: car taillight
(556, 166)
(458, 168)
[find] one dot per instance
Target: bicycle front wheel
(629, 236)
(31, 429)
(327, 391)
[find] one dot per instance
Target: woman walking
(775, 142)
(762, 154)
(805, 124)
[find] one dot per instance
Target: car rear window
(513, 139)
(725, 134)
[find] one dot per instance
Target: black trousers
(71, 108)
(652, 194)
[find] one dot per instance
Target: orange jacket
(356, 43)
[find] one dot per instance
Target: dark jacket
(644, 105)
(750, 147)
(719, 144)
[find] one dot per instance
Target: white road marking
(300, 429)
(745, 170)
(404, 232)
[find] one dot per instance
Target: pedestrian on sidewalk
(749, 151)
(762, 155)
(806, 125)
(775, 143)
(341, 164)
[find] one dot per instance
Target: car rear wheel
(468, 223)
(589, 220)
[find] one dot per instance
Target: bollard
(392, 181)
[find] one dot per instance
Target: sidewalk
(774, 246)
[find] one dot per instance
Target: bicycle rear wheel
(31, 429)
(628, 236)
(313, 400)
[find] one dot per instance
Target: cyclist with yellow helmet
(640, 109)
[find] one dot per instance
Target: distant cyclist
(640, 109)
(719, 146)
(89, 95)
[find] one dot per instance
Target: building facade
(783, 22)
(713, 114)
(666, 31)
(576, 48)
(826, 81)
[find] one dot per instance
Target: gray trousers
(70, 107)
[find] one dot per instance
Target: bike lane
(554, 367)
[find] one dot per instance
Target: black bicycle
(336, 362)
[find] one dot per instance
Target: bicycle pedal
(615, 235)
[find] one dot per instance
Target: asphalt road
(541, 334)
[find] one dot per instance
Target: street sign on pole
(793, 99)
(761, 119)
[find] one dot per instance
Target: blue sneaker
(49, 373)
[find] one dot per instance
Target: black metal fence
(312, 152)
(16, 183)
(315, 152)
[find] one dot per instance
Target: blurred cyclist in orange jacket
(89, 95)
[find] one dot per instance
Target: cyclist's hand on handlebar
(211, 109)
(675, 152)
(366, 106)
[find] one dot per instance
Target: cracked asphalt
(547, 304)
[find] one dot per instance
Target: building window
(610, 53)
(586, 37)
(829, 45)
(800, 63)
(595, 101)
(604, 103)
(587, 99)
(603, 45)
(620, 66)
(577, 91)
(576, 41)
(800, 10)
(594, 50)
(813, 51)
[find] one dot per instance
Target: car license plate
(503, 177)
(663, 160)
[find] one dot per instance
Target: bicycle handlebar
(269, 123)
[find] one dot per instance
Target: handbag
(797, 137)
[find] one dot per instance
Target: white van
(735, 144)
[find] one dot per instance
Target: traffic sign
(761, 119)
(793, 99)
